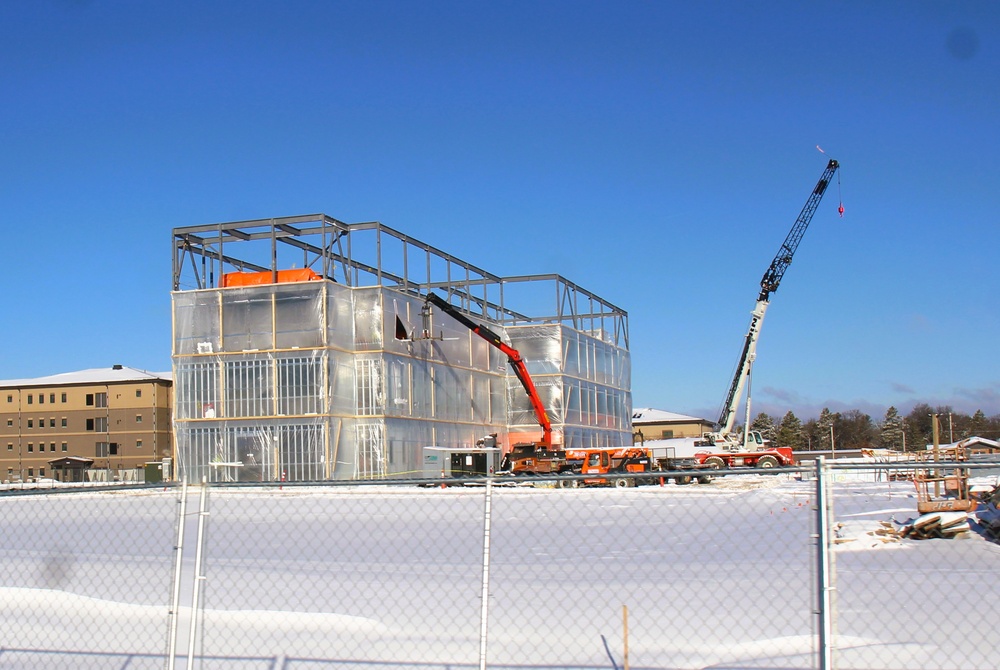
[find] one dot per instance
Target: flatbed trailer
(765, 458)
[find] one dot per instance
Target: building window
(90, 400)
(52, 446)
(138, 444)
(64, 397)
(64, 446)
(113, 449)
(10, 446)
(29, 399)
(41, 398)
(64, 422)
(52, 398)
(31, 423)
(100, 399)
(668, 435)
(31, 472)
(52, 422)
(98, 424)
(10, 422)
(138, 418)
(31, 447)
(102, 450)
(138, 393)
(41, 472)
(10, 398)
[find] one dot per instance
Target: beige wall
(42, 423)
(658, 430)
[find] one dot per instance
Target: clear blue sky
(654, 152)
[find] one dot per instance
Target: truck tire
(622, 483)
(715, 463)
(568, 483)
(704, 479)
(682, 480)
(767, 462)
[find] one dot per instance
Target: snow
(714, 576)
(89, 376)
(649, 415)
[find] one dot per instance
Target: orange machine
(231, 279)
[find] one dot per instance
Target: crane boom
(768, 285)
(513, 356)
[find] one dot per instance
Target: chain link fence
(792, 568)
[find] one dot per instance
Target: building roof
(649, 415)
(114, 374)
(968, 442)
(71, 461)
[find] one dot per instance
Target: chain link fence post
(824, 564)
(175, 598)
(484, 608)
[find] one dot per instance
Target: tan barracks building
(657, 424)
(103, 424)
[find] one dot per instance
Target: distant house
(972, 445)
(657, 424)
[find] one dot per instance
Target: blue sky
(656, 153)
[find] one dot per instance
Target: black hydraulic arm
(769, 282)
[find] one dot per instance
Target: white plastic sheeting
(306, 381)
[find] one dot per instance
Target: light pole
(833, 445)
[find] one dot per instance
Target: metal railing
(784, 568)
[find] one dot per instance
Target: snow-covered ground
(712, 576)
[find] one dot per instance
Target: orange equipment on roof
(267, 277)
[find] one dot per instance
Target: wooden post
(937, 455)
(625, 635)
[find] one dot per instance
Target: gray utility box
(460, 461)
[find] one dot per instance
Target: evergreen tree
(790, 432)
(891, 431)
(823, 424)
(976, 426)
(764, 424)
(918, 427)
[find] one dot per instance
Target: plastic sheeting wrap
(583, 382)
(307, 381)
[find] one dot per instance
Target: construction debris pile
(936, 524)
(989, 514)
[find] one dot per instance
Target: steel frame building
(305, 380)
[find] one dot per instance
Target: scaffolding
(286, 366)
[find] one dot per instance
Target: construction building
(103, 424)
(304, 348)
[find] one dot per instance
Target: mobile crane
(724, 438)
(532, 458)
